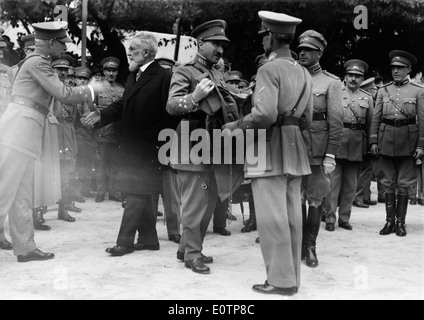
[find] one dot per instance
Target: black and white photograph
(211, 155)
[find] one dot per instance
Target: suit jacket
(142, 111)
(21, 127)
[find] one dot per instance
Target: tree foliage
(392, 24)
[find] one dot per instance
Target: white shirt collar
(144, 67)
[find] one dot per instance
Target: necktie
(138, 75)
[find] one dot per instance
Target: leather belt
(30, 104)
(319, 116)
(354, 126)
(399, 123)
(64, 120)
(287, 121)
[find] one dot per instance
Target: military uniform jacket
(21, 127)
(180, 103)
(279, 86)
(324, 136)
(357, 108)
(4, 88)
(66, 116)
(398, 102)
(105, 99)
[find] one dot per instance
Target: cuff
(92, 92)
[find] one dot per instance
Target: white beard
(133, 66)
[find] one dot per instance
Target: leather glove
(419, 153)
(329, 165)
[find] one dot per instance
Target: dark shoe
(116, 198)
(160, 214)
(413, 202)
(119, 251)
(100, 198)
(35, 255)
(311, 259)
(41, 227)
(250, 226)
(72, 208)
(421, 202)
(360, 205)
(268, 289)
(222, 231)
(381, 200)
(345, 225)
(175, 237)
(197, 266)
(231, 217)
(389, 228)
(6, 245)
(79, 199)
(205, 259)
(370, 202)
(141, 247)
(400, 229)
(64, 216)
(330, 227)
(257, 240)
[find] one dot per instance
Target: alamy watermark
(221, 147)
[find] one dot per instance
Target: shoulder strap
(20, 64)
(301, 94)
(396, 105)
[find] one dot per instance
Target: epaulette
(330, 75)
(387, 84)
(417, 85)
(363, 91)
(119, 86)
(191, 63)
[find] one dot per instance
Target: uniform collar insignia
(315, 69)
(406, 81)
(203, 62)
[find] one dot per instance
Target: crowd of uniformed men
(327, 139)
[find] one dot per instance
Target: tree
(393, 24)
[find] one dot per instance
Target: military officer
(397, 138)
(357, 110)
(29, 43)
(68, 148)
(195, 95)
(322, 139)
(283, 96)
(106, 137)
(363, 192)
(22, 128)
(4, 80)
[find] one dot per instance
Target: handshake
(89, 119)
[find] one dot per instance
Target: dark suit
(143, 114)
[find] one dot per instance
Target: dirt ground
(358, 264)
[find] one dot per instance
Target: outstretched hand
(91, 119)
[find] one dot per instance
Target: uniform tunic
(276, 191)
(21, 131)
(357, 110)
(325, 133)
(398, 129)
(198, 182)
(106, 139)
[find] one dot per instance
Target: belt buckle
(353, 126)
(396, 122)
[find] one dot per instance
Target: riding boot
(70, 203)
(63, 212)
(314, 222)
(37, 215)
(390, 214)
(401, 209)
(250, 223)
(304, 231)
